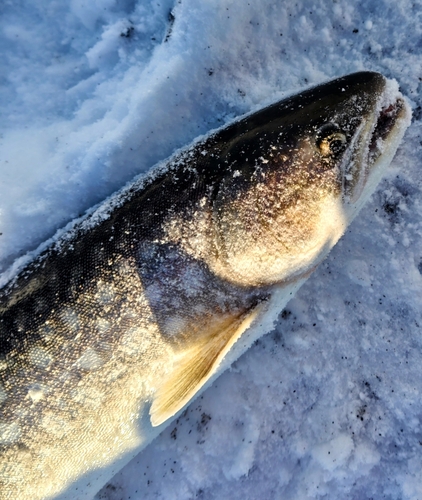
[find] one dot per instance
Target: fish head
(300, 170)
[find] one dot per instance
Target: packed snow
(328, 405)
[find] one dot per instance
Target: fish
(128, 314)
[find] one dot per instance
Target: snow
(328, 405)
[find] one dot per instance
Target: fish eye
(330, 140)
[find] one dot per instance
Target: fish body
(112, 329)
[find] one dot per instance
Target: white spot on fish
(90, 360)
(36, 392)
(40, 357)
(175, 325)
(131, 341)
(9, 433)
(105, 292)
(137, 341)
(103, 325)
(70, 318)
(3, 394)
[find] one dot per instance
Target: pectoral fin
(196, 364)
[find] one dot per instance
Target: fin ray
(198, 363)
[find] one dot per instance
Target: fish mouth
(386, 121)
(376, 144)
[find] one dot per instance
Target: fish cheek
(274, 230)
(244, 225)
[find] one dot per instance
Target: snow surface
(94, 92)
